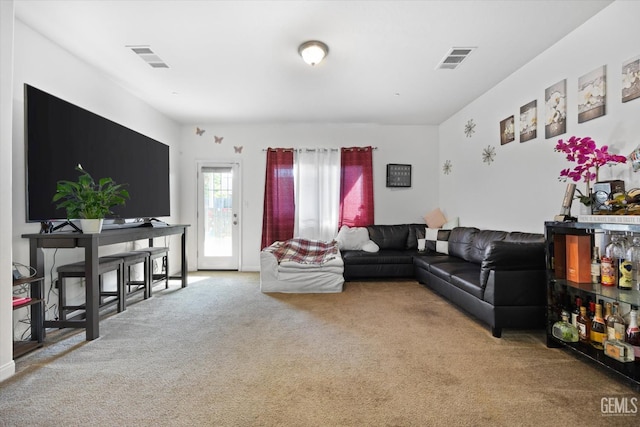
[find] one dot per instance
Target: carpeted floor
(221, 353)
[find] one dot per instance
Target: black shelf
(561, 295)
(36, 305)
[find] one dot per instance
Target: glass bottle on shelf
(615, 323)
(632, 335)
(608, 311)
(615, 251)
(633, 256)
(595, 265)
(598, 329)
(576, 312)
(584, 326)
(591, 310)
(565, 331)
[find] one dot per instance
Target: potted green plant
(88, 200)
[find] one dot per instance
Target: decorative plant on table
(86, 199)
(589, 158)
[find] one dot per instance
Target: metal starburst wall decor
(446, 168)
(469, 128)
(488, 154)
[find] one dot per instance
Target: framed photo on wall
(592, 95)
(529, 121)
(631, 79)
(398, 175)
(556, 109)
(507, 130)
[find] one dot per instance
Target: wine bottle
(598, 332)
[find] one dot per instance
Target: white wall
(7, 367)
(45, 65)
(520, 189)
(415, 145)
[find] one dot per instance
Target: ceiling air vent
(148, 56)
(454, 58)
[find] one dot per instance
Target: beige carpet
(221, 353)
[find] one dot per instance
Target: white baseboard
(7, 370)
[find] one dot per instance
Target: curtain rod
(316, 149)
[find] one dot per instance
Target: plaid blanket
(304, 251)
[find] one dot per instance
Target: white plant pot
(91, 226)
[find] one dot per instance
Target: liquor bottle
(618, 325)
(615, 251)
(633, 256)
(584, 326)
(607, 272)
(591, 310)
(595, 265)
(598, 329)
(632, 335)
(576, 312)
(565, 331)
(608, 308)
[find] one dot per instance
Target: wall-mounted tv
(60, 135)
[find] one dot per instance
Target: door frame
(237, 182)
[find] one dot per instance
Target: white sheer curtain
(317, 193)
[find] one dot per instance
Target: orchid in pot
(588, 158)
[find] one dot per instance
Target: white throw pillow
(352, 239)
(451, 224)
(370, 246)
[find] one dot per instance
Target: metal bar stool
(131, 287)
(77, 270)
(155, 252)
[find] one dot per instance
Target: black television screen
(60, 135)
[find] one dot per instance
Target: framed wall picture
(529, 121)
(398, 175)
(507, 130)
(592, 94)
(556, 109)
(631, 79)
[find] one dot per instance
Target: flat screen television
(60, 135)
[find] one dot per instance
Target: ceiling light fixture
(313, 51)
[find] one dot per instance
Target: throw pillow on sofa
(355, 239)
(437, 239)
(435, 219)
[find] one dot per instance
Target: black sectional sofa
(497, 276)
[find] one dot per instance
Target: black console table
(90, 243)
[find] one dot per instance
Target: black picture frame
(398, 175)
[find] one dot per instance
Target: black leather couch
(497, 276)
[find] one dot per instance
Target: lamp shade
(312, 52)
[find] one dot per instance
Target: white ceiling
(237, 61)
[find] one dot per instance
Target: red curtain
(356, 187)
(279, 203)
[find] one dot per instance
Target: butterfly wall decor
(238, 149)
(199, 131)
(218, 139)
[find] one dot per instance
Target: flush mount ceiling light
(313, 51)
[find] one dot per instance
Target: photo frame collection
(591, 103)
